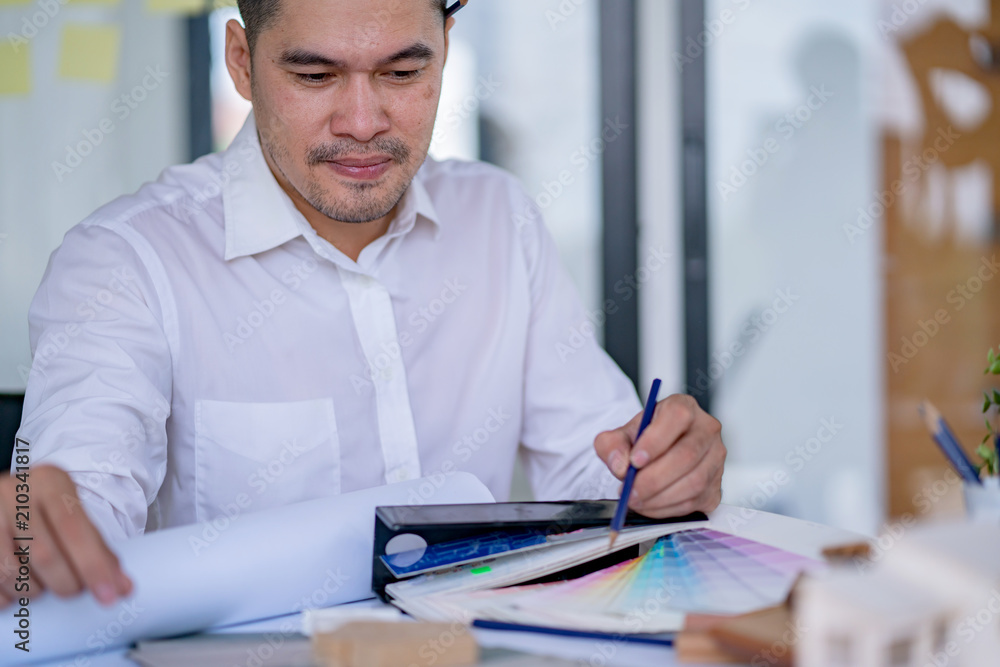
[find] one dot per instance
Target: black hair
(259, 14)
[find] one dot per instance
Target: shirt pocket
(251, 456)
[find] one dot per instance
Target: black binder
(436, 524)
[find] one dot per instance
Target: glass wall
(797, 307)
(92, 104)
(853, 214)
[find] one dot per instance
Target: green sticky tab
(480, 570)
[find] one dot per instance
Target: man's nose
(361, 112)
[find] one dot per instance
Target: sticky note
(15, 68)
(89, 52)
(480, 570)
(177, 6)
(104, 3)
(8, 3)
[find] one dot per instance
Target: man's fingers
(680, 457)
(95, 565)
(124, 584)
(672, 418)
(706, 502)
(674, 465)
(699, 489)
(613, 448)
(49, 565)
(8, 571)
(67, 553)
(9, 565)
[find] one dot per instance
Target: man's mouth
(364, 168)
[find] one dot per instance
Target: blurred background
(786, 208)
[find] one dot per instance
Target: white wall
(36, 208)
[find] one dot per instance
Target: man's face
(345, 94)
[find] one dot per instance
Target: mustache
(330, 152)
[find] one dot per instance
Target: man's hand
(679, 459)
(66, 553)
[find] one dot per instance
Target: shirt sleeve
(573, 389)
(97, 396)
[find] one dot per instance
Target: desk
(801, 537)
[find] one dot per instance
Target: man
(317, 310)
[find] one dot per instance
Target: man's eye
(403, 75)
(313, 77)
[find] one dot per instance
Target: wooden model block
(374, 644)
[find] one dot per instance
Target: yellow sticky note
(89, 52)
(15, 68)
(177, 6)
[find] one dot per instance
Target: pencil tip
(611, 542)
(930, 414)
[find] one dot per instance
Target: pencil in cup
(948, 443)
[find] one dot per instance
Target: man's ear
(238, 57)
(447, 29)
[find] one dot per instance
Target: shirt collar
(259, 215)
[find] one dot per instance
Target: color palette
(712, 572)
(693, 571)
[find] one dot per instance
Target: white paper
(259, 565)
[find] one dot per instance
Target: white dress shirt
(199, 351)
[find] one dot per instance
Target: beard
(365, 202)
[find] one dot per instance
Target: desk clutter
(558, 575)
(929, 594)
(742, 588)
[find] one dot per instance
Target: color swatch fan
(700, 570)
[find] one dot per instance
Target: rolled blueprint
(232, 570)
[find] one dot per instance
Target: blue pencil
(622, 508)
(454, 8)
(948, 443)
(660, 639)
